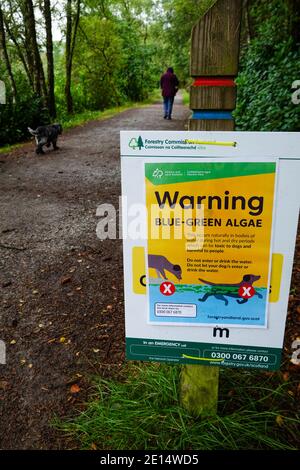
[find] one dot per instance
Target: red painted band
(206, 81)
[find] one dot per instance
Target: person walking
(169, 85)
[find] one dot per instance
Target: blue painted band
(212, 115)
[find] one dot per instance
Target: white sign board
(218, 294)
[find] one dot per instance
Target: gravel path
(61, 304)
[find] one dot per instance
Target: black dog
(219, 290)
(46, 135)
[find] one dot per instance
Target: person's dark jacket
(169, 84)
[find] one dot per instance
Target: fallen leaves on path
(279, 420)
(75, 388)
(65, 280)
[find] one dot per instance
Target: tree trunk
(68, 94)
(19, 51)
(38, 71)
(71, 33)
(50, 64)
(6, 56)
(249, 31)
(28, 44)
(76, 23)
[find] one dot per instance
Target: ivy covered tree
(268, 67)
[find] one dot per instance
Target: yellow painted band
(202, 358)
(203, 142)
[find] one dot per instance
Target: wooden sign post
(214, 65)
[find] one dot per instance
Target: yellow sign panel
(138, 270)
(276, 273)
(209, 235)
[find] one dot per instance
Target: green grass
(143, 412)
(185, 97)
(10, 147)
(79, 119)
(82, 118)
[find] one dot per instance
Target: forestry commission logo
(136, 143)
(157, 173)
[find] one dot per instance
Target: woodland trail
(61, 314)
(61, 288)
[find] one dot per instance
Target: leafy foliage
(268, 68)
(179, 19)
(116, 60)
(16, 117)
(122, 47)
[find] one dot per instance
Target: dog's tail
(207, 282)
(32, 131)
(218, 284)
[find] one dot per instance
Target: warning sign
(207, 273)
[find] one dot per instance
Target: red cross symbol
(246, 291)
(167, 288)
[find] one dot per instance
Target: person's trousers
(168, 105)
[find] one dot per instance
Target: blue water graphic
(213, 310)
